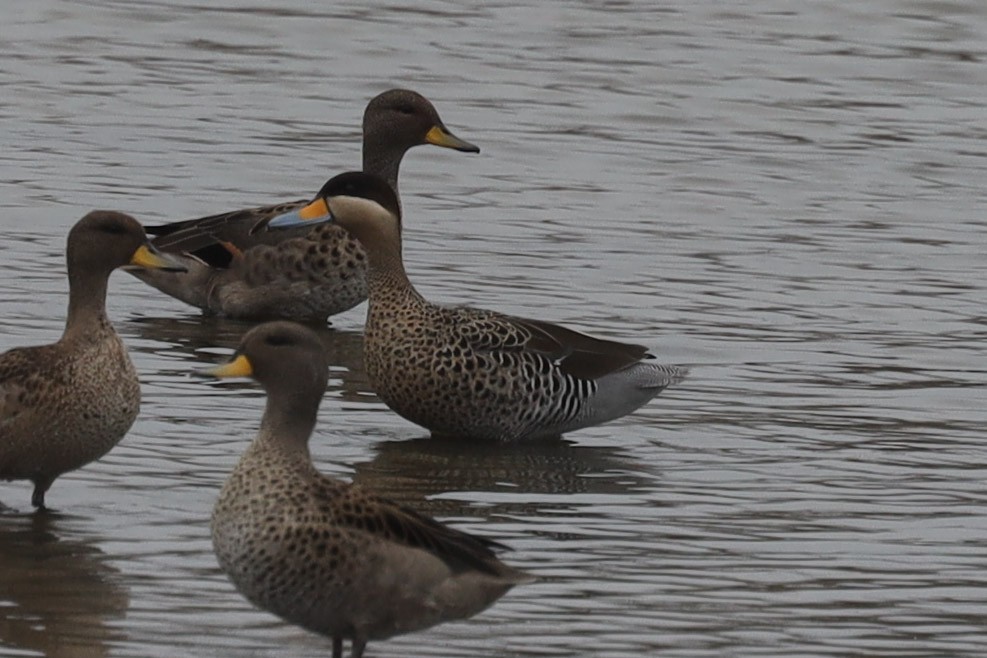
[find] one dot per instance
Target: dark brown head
(361, 203)
(286, 358)
(104, 240)
(399, 119)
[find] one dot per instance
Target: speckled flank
(326, 555)
(471, 373)
(66, 404)
(236, 268)
(307, 278)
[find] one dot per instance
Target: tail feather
(667, 376)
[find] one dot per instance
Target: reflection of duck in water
(58, 596)
(413, 472)
(185, 336)
(190, 337)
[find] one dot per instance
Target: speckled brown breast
(69, 411)
(269, 539)
(321, 554)
(306, 278)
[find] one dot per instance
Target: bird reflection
(523, 475)
(58, 596)
(189, 336)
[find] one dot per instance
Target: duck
(466, 372)
(235, 269)
(324, 554)
(66, 404)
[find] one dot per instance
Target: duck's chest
(91, 399)
(108, 393)
(401, 339)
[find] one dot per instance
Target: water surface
(786, 197)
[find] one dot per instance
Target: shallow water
(786, 197)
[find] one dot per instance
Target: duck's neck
(87, 306)
(383, 159)
(386, 276)
(289, 420)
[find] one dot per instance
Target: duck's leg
(359, 645)
(40, 488)
(337, 647)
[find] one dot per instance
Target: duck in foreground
(238, 270)
(324, 554)
(66, 404)
(471, 373)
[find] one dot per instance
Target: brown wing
(352, 507)
(575, 353)
(217, 239)
(20, 369)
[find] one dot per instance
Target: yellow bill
(150, 258)
(439, 136)
(316, 212)
(238, 367)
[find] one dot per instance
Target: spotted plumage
(66, 404)
(473, 373)
(326, 555)
(237, 269)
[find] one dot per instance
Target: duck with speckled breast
(327, 555)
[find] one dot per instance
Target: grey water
(787, 197)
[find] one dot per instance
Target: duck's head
(400, 119)
(279, 355)
(361, 203)
(104, 240)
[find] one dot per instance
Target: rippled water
(787, 196)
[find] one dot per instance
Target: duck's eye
(405, 109)
(113, 229)
(278, 340)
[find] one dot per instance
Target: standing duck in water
(66, 404)
(321, 553)
(470, 373)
